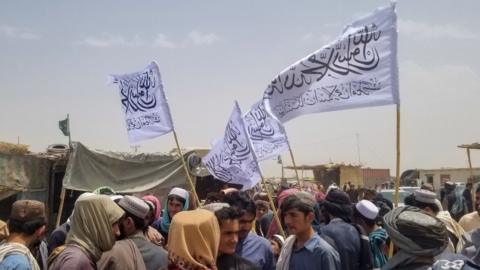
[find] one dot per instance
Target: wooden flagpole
(293, 159)
(274, 209)
(62, 193)
(397, 173)
(294, 164)
(60, 208)
(470, 164)
(179, 150)
(68, 128)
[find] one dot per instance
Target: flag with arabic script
(358, 69)
(266, 134)
(147, 114)
(232, 158)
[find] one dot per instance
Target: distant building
(328, 174)
(341, 174)
(437, 177)
(372, 177)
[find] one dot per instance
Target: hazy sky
(55, 57)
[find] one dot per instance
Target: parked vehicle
(390, 193)
(409, 189)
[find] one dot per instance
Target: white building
(437, 177)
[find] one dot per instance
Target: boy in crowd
(250, 246)
(304, 248)
(229, 227)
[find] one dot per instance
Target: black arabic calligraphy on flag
(232, 159)
(359, 69)
(147, 114)
(267, 135)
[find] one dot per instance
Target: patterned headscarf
(201, 225)
(91, 224)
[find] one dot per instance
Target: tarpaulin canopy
(125, 173)
(23, 172)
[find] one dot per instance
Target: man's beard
(243, 234)
(36, 242)
(123, 234)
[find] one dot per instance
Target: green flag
(64, 126)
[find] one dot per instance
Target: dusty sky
(55, 57)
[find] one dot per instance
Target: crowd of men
(237, 230)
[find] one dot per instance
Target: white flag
(147, 114)
(265, 132)
(359, 69)
(232, 159)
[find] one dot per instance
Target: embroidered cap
(27, 210)
(134, 206)
(425, 196)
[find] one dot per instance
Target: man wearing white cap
(365, 214)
